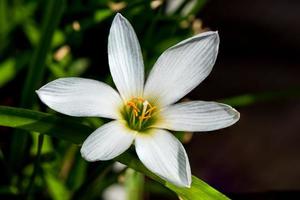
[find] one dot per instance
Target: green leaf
(44, 123)
(71, 130)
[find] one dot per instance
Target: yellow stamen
(145, 117)
(150, 110)
(135, 113)
(139, 112)
(133, 105)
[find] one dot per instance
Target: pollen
(139, 113)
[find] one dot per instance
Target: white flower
(115, 192)
(141, 113)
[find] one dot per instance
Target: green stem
(35, 166)
(134, 184)
(4, 24)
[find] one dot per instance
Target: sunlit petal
(198, 116)
(181, 68)
(164, 155)
(125, 58)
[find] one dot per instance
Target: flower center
(138, 113)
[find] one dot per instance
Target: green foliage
(76, 133)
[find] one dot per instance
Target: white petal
(198, 116)
(81, 97)
(164, 155)
(107, 142)
(125, 58)
(181, 68)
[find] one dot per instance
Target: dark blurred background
(257, 72)
(259, 52)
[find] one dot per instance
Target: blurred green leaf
(102, 14)
(249, 99)
(70, 67)
(23, 12)
(12, 15)
(32, 32)
(56, 188)
(7, 71)
(58, 38)
(75, 132)
(11, 66)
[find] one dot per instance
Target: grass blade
(36, 70)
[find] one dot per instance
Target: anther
(131, 104)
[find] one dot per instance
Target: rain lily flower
(142, 113)
(115, 192)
